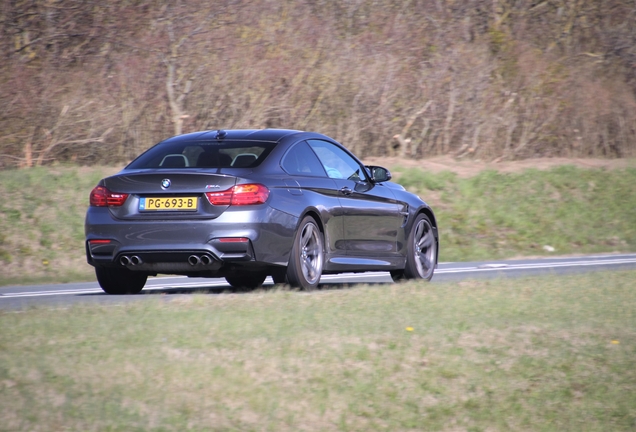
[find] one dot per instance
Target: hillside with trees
(98, 82)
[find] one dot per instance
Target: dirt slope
(468, 168)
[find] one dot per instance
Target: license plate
(174, 204)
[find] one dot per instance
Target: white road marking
(99, 290)
(537, 266)
(50, 293)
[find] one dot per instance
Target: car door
(309, 184)
(372, 217)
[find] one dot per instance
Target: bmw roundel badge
(165, 183)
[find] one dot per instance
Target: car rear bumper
(190, 246)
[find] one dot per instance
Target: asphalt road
(20, 297)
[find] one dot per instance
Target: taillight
(99, 241)
(244, 194)
(233, 239)
(221, 197)
(102, 197)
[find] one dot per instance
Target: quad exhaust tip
(193, 260)
(204, 259)
(127, 261)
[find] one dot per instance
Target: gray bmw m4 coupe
(245, 204)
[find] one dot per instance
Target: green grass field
(538, 354)
(489, 216)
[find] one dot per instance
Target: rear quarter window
(301, 160)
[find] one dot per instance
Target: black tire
(246, 281)
(120, 281)
(307, 256)
(421, 252)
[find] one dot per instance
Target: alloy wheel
(311, 253)
(424, 249)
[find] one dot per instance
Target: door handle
(346, 191)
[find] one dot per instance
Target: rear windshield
(200, 154)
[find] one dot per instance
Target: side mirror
(379, 174)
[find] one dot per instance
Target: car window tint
(337, 162)
(184, 155)
(300, 160)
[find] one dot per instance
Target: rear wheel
(421, 252)
(307, 256)
(120, 280)
(249, 280)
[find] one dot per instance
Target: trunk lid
(168, 195)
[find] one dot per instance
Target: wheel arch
(315, 214)
(428, 212)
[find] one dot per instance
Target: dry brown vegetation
(92, 81)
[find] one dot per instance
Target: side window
(300, 160)
(337, 163)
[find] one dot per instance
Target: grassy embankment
(497, 215)
(491, 215)
(42, 218)
(535, 354)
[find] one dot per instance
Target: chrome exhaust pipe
(194, 260)
(124, 260)
(135, 260)
(206, 259)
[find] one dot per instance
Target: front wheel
(421, 252)
(120, 281)
(307, 256)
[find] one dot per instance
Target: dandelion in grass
(615, 342)
(409, 329)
